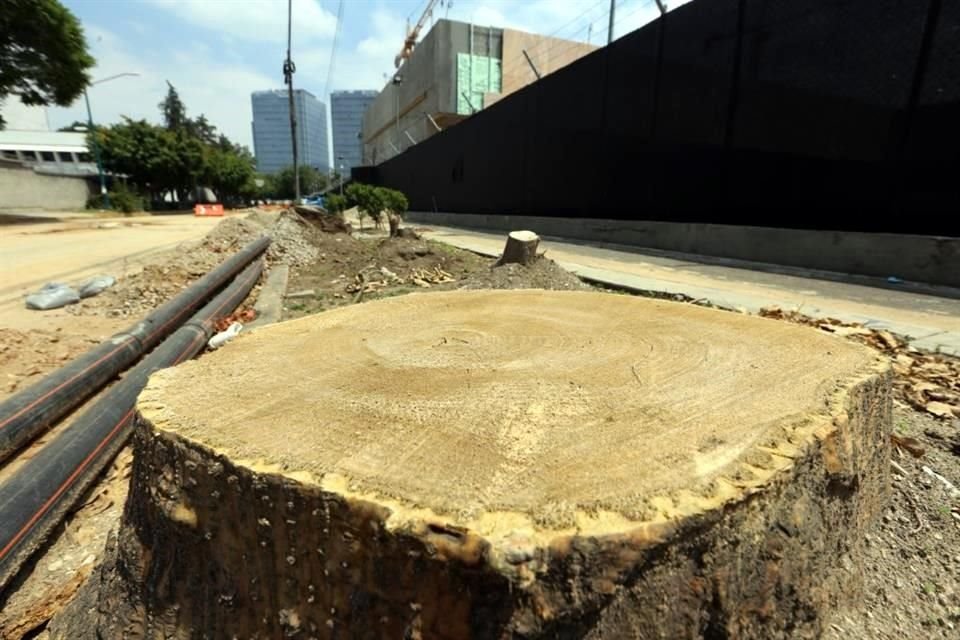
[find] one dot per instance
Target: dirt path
(32, 254)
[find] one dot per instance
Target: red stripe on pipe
(59, 386)
(63, 487)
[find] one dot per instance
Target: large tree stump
(501, 464)
(521, 248)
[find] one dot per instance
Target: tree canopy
(43, 53)
(178, 156)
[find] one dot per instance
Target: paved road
(931, 319)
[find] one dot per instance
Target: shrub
(122, 198)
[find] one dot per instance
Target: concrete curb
(269, 305)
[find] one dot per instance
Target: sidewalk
(931, 321)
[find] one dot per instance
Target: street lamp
(340, 164)
(96, 147)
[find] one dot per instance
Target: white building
(50, 152)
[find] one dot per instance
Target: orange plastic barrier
(208, 210)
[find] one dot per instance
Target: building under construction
(455, 71)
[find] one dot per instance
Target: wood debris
(925, 380)
(427, 277)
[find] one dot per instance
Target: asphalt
(928, 315)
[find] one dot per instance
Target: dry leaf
(888, 339)
(911, 445)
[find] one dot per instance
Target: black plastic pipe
(25, 415)
(35, 499)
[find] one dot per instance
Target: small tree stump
(526, 464)
(394, 221)
(521, 248)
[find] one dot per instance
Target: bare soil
(167, 275)
(911, 584)
(386, 267)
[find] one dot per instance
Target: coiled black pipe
(24, 415)
(36, 498)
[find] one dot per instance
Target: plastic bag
(96, 285)
(53, 295)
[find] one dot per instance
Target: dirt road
(31, 254)
(71, 250)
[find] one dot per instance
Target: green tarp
(476, 75)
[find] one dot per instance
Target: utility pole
(93, 135)
(613, 8)
(288, 70)
(96, 153)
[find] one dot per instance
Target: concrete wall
(22, 188)
(430, 81)
(419, 94)
(930, 259)
(548, 54)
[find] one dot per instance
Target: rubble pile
(293, 243)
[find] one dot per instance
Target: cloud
(259, 20)
(219, 90)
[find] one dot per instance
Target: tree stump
(521, 248)
(498, 464)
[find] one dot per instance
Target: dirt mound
(542, 273)
(293, 242)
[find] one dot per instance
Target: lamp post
(340, 164)
(93, 137)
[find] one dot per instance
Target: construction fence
(787, 113)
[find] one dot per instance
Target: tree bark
(521, 248)
(394, 221)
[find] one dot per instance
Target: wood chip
(942, 409)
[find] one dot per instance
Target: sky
(216, 52)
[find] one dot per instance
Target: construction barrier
(208, 210)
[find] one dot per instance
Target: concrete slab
(269, 306)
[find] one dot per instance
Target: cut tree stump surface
(497, 464)
(570, 409)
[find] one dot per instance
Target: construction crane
(412, 34)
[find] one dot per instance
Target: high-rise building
(271, 130)
(346, 120)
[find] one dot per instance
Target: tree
(230, 174)
(396, 205)
(336, 203)
(76, 125)
(202, 129)
(179, 156)
(311, 180)
(368, 201)
(173, 110)
(149, 155)
(43, 53)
